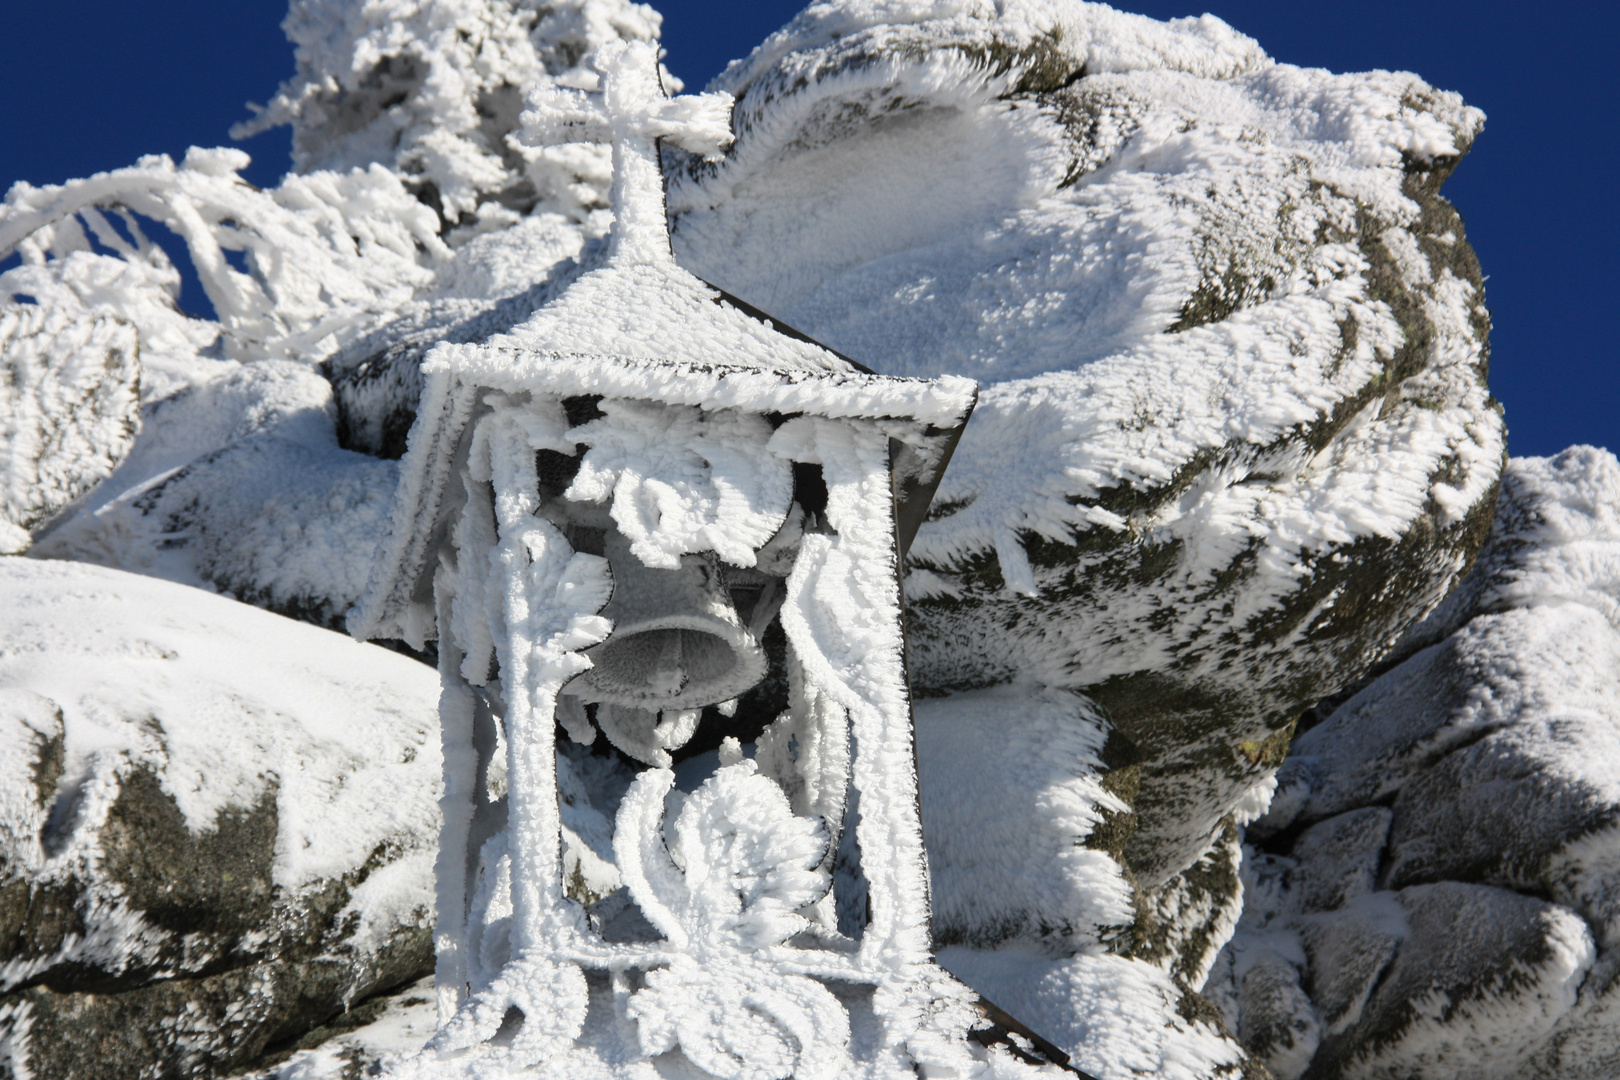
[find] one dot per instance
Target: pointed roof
(637, 325)
(639, 303)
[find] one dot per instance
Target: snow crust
(1116, 1017)
(115, 650)
(128, 673)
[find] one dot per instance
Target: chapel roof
(637, 325)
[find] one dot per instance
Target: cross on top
(632, 112)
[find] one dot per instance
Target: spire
(632, 112)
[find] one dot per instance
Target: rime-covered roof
(656, 311)
(639, 303)
(637, 326)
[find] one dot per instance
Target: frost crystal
(434, 91)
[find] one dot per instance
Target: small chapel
(659, 518)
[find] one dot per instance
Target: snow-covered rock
(69, 410)
(365, 1041)
(237, 484)
(292, 274)
(1443, 872)
(1233, 438)
(1233, 432)
(217, 826)
(1031, 906)
(1122, 1019)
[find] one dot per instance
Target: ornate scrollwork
(726, 880)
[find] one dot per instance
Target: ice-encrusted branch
(432, 89)
(320, 252)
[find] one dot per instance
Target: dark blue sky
(87, 85)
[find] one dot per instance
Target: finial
(632, 112)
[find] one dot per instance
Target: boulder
(1472, 984)
(1443, 850)
(1233, 439)
(1233, 434)
(217, 827)
(1031, 906)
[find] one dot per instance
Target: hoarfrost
(434, 92)
(237, 484)
(69, 399)
(1191, 281)
(1008, 809)
(683, 480)
(321, 251)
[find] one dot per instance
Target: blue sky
(87, 85)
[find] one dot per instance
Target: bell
(677, 641)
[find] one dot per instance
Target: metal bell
(677, 641)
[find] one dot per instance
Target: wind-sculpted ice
(70, 399)
(1233, 432)
(435, 91)
(321, 252)
(680, 480)
(738, 868)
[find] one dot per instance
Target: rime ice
(608, 477)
